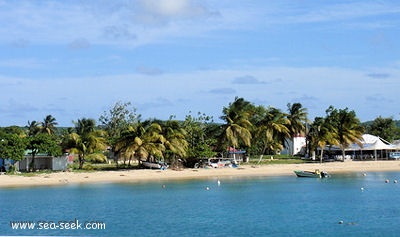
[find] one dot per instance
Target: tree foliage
(42, 143)
(348, 127)
(85, 140)
(12, 146)
(383, 127)
(199, 135)
(237, 123)
(258, 129)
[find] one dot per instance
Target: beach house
(44, 162)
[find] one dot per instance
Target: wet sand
(65, 178)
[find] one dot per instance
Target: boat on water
(311, 174)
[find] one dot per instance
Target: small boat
(311, 174)
(158, 165)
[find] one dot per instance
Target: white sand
(64, 178)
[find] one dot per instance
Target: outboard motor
(324, 174)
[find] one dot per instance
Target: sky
(75, 59)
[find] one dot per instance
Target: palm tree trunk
(234, 155)
(32, 163)
(262, 154)
(343, 154)
(81, 161)
(322, 155)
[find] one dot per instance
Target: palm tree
(349, 128)
(33, 128)
(297, 117)
(85, 126)
(85, 140)
(48, 125)
(237, 124)
(322, 133)
(271, 129)
(143, 141)
(175, 143)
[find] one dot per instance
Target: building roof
(371, 142)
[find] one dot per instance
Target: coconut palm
(143, 141)
(322, 133)
(349, 128)
(48, 125)
(297, 117)
(271, 128)
(85, 140)
(237, 124)
(33, 128)
(85, 126)
(175, 143)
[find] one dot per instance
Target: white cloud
(105, 22)
(133, 23)
(247, 80)
(172, 8)
(205, 91)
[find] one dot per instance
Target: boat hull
(310, 174)
(151, 165)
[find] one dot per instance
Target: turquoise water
(261, 206)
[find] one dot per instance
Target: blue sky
(75, 59)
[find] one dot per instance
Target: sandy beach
(65, 178)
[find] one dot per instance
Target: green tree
(297, 117)
(48, 125)
(117, 120)
(85, 140)
(33, 128)
(321, 133)
(176, 145)
(42, 143)
(271, 129)
(383, 127)
(12, 146)
(14, 130)
(144, 141)
(199, 136)
(348, 127)
(236, 130)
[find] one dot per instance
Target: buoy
(364, 174)
(207, 188)
(395, 181)
(163, 186)
(387, 181)
(362, 189)
(340, 222)
(219, 182)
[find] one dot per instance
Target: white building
(295, 146)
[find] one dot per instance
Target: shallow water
(343, 205)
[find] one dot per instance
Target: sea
(349, 204)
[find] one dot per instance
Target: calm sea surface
(343, 205)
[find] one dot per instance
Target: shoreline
(147, 175)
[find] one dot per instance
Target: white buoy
(219, 182)
(395, 181)
(362, 189)
(387, 181)
(207, 188)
